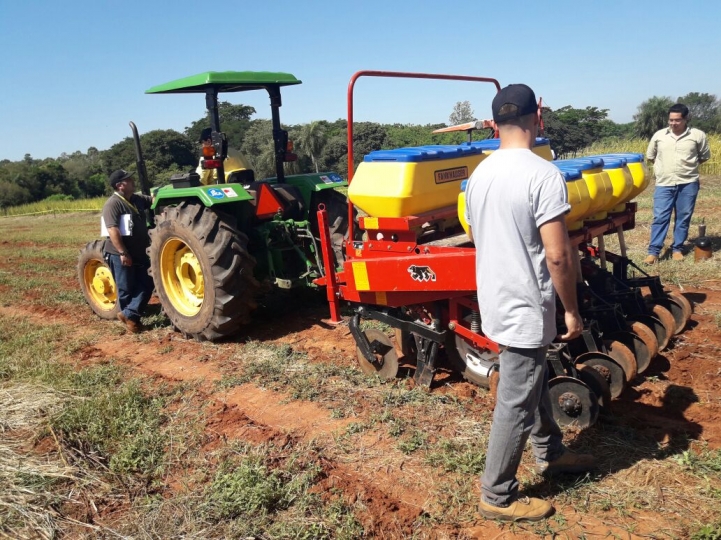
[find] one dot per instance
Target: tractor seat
(242, 176)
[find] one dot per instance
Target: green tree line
(320, 145)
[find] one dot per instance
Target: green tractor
(215, 248)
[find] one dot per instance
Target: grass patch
(120, 428)
(704, 462)
(55, 207)
(708, 532)
(282, 369)
(30, 352)
(266, 491)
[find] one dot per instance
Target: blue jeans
(523, 409)
(667, 199)
(133, 284)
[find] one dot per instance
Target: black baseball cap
(519, 95)
(118, 176)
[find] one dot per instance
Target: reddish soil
(392, 491)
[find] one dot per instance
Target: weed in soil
(120, 427)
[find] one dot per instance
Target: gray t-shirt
(509, 196)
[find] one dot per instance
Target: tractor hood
(225, 81)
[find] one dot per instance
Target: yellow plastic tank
(578, 198)
(598, 184)
(622, 183)
(462, 207)
(637, 168)
(411, 181)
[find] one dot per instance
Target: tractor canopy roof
(225, 81)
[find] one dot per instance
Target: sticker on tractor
(216, 193)
(421, 273)
(331, 178)
(451, 175)
(229, 192)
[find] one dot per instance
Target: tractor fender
(213, 195)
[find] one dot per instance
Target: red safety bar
(400, 75)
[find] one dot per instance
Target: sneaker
(651, 259)
(522, 509)
(677, 256)
(569, 463)
(132, 326)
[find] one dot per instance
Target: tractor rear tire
(96, 281)
(336, 205)
(202, 270)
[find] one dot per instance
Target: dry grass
(35, 486)
(710, 168)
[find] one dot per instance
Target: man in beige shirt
(676, 152)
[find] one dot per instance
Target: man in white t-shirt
(515, 205)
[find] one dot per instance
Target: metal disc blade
(678, 311)
(595, 381)
(648, 337)
(638, 347)
(608, 367)
(685, 302)
(475, 365)
(624, 356)
(387, 365)
(664, 315)
(573, 402)
(655, 324)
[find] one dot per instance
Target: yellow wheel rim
(182, 277)
(100, 285)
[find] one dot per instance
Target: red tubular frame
(392, 74)
(330, 280)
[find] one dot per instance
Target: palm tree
(652, 115)
(311, 141)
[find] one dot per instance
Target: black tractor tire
(336, 205)
(96, 281)
(202, 270)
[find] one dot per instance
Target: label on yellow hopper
(451, 175)
(360, 276)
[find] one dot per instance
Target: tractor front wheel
(96, 281)
(202, 270)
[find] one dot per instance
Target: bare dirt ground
(678, 399)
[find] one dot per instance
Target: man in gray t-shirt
(515, 205)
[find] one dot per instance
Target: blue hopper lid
(613, 163)
(464, 184)
(630, 157)
(570, 174)
(422, 153)
(582, 164)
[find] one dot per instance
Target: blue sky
(73, 73)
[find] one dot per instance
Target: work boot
(677, 256)
(569, 462)
(132, 326)
(651, 259)
(522, 509)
